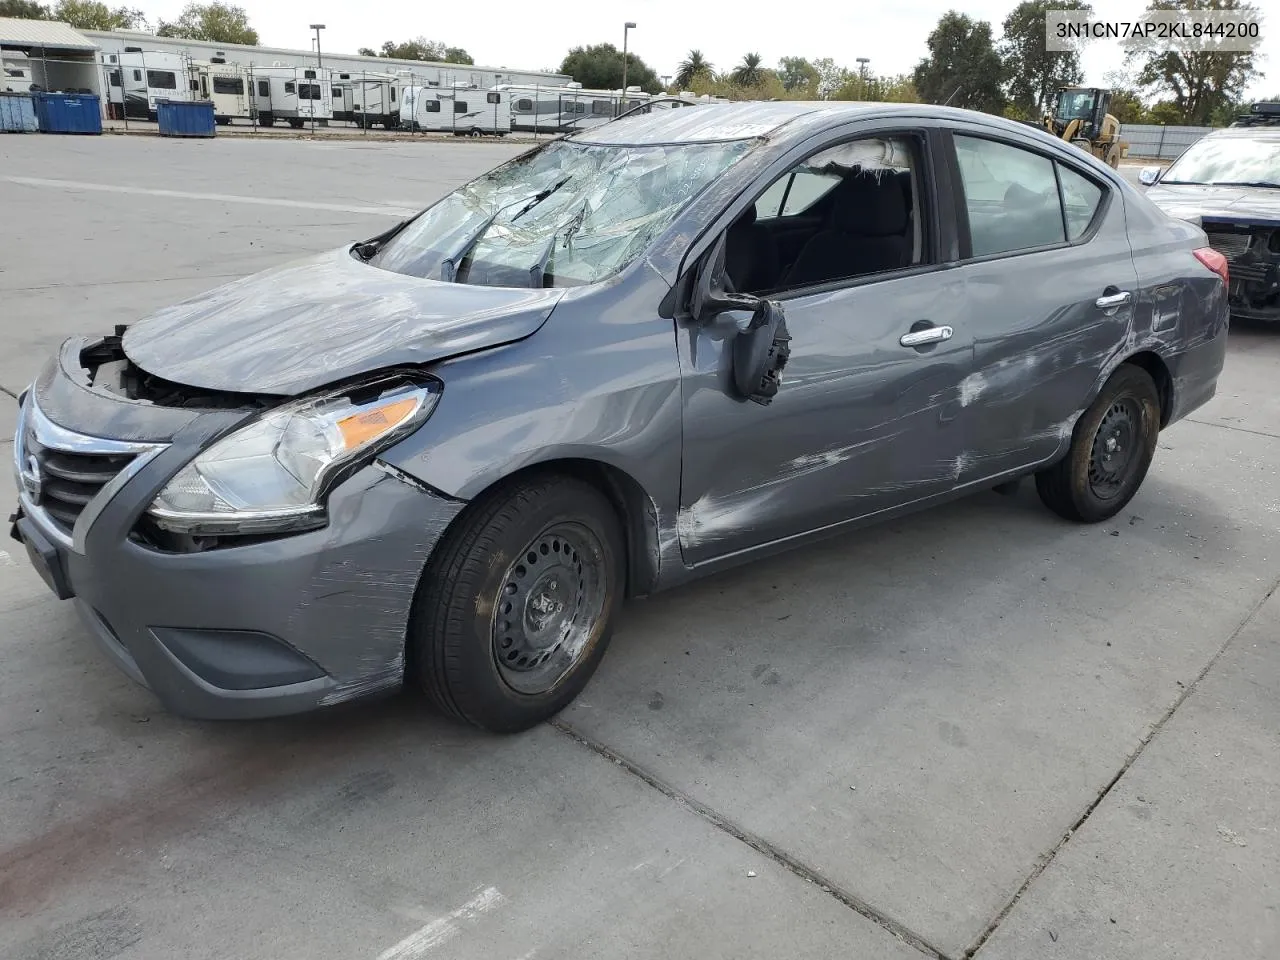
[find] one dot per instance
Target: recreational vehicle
(376, 99)
(226, 85)
(463, 111)
(15, 73)
(537, 109)
(295, 95)
(343, 96)
(138, 78)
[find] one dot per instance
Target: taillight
(1215, 261)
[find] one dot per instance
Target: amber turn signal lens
(360, 428)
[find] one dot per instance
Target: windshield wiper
(1245, 183)
(538, 272)
(368, 248)
(449, 266)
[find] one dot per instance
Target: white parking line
(439, 931)
(383, 211)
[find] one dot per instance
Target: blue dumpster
(68, 112)
(17, 113)
(185, 118)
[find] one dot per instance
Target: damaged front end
(241, 554)
(1253, 260)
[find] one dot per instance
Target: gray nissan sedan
(630, 357)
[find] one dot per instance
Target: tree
(599, 67)
(693, 66)
(216, 22)
(1127, 105)
(420, 49)
(962, 67)
(1201, 82)
(748, 73)
(1033, 73)
(831, 77)
(94, 15)
(798, 75)
(366, 52)
(24, 10)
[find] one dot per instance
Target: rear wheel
(1111, 449)
(516, 607)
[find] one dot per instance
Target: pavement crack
(1232, 426)
(1043, 863)
(760, 845)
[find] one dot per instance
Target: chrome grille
(1230, 245)
(68, 479)
(61, 473)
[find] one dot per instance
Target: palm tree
(748, 73)
(694, 65)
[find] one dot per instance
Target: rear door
(1051, 288)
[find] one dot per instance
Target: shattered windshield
(565, 215)
(1228, 160)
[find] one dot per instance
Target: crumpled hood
(306, 324)
(1238, 204)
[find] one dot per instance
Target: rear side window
(1081, 198)
(1011, 196)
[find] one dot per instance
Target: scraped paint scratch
(971, 388)
(444, 929)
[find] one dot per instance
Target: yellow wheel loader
(1080, 117)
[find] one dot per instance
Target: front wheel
(1111, 449)
(517, 604)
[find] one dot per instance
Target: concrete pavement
(870, 748)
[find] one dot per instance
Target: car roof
(1246, 133)
(777, 119)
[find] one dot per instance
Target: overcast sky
(535, 36)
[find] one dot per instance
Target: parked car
(622, 360)
(1228, 183)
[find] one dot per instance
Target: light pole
(862, 75)
(317, 27)
(626, 28)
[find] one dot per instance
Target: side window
(1081, 198)
(433, 106)
(393, 94)
(861, 201)
(115, 76)
(137, 75)
(290, 87)
(1011, 196)
(492, 97)
(336, 93)
(524, 105)
(459, 106)
(264, 89)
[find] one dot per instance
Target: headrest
(870, 206)
(747, 218)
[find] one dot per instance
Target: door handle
(1113, 300)
(920, 338)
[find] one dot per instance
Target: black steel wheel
(517, 603)
(1111, 450)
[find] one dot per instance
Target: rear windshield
(567, 214)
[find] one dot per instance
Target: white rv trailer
(15, 72)
(376, 99)
(538, 109)
(464, 111)
(295, 95)
(138, 78)
(226, 85)
(343, 96)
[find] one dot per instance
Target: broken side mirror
(1148, 175)
(760, 345)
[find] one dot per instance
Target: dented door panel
(861, 423)
(1038, 351)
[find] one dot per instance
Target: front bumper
(279, 626)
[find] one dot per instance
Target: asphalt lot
(976, 728)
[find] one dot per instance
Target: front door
(863, 421)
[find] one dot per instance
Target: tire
(476, 132)
(1111, 449)
(508, 674)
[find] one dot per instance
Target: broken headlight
(271, 475)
